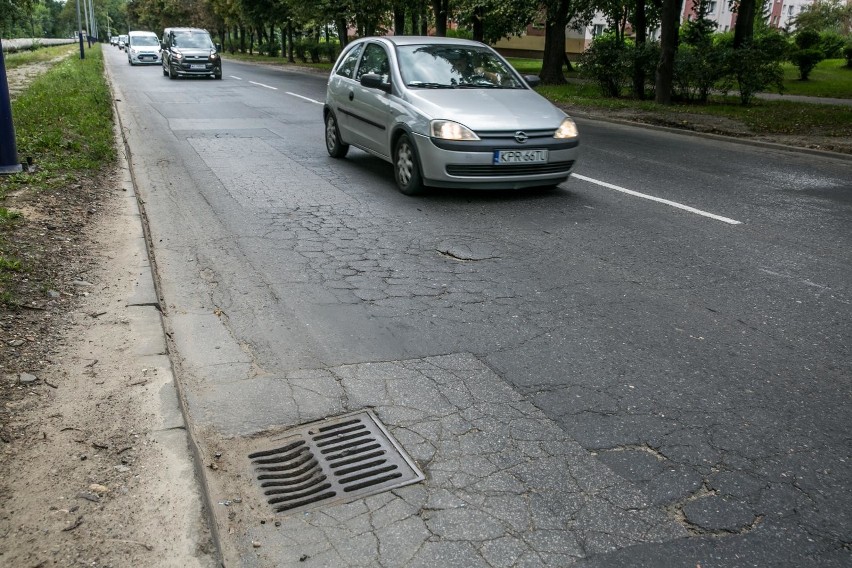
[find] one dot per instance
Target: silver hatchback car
(446, 113)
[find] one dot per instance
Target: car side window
(375, 61)
(347, 68)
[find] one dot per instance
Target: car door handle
(351, 95)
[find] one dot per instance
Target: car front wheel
(336, 148)
(172, 74)
(406, 167)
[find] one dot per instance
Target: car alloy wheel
(406, 167)
(336, 148)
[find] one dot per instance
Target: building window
(597, 30)
(711, 8)
(790, 10)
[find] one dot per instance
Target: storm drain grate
(333, 461)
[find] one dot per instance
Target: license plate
(504, 157)
(198, 67)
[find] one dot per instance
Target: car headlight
(177, 56)
(449, 130)
(566, 130)
(214, 56)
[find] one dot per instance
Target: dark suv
(190, 52)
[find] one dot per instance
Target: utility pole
(80, 31)
(9, 163)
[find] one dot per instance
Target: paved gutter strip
(504, 484)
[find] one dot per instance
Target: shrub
(328, 50)
(832, 44)
(808, 54)
(608, 63)
(647, 57)
(698, 69)
(755, 66)
(847, 53)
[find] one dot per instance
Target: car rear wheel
(406, 168)
(336, 148)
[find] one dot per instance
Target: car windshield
(198, 40)
(144, 41)
(454, 67)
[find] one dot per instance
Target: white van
(142, 47)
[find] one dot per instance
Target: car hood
(488, 109)
(194, 52)
(146, 48)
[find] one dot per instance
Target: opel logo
(521, 136)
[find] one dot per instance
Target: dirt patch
(19, 78)
(88, 475)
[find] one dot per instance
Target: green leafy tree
(825, 15)
(491, 20)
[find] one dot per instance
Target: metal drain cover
(332, 461)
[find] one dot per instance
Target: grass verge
(64, 122)
(830, 78)
(761, 117)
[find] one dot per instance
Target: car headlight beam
(566, 130)
(449, 130)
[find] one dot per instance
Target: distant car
(122, 41)
(189, 52)
(142, 47)
(113, 40)
(446, 113)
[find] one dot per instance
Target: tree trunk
(639, 25)
(440, 8)
(744, 26)
(290, 57)
(242, 39)
(478, 23)
(342, 31)
(668, 47)
(398, 18)
(283, 41)
(554, 44)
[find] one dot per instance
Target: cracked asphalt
(584, 378)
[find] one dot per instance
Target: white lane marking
(262, 85)
(235, 77)
(304, 98)
(659, 200)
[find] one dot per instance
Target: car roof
(420, 40)
(141, 32)
(186, 30)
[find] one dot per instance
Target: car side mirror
(219, 47)
(532, 80)
(373, 81)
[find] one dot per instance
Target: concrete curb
(151, 344)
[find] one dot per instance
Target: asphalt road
(680, 308)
